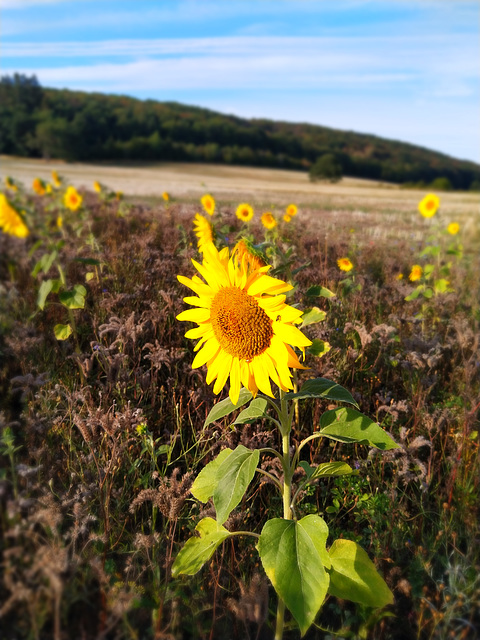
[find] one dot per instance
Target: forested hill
(41, 122)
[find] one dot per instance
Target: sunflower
(453, 228)
(245, 329)
(429, 205)
(268, 220)
(97, 186)
(72, 199)
(10, 184)
(291, 210)
(287, 218)
(245, 251)
(165, 196)
(56, 179)
(203, 230)
(208, 203)
(244, 212)
(10, 220)
(345, 264)
(38, 186)
(415, 273)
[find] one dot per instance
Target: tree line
(79, 126)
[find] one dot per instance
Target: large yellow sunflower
(429, 205)
(72, 199)
(10, 220)
(245, 329)
(203, 230)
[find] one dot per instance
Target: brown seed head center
(241, 327)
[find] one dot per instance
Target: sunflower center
(241, 327)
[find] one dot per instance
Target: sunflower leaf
(198, 550)
(257, 409)
(312, 316)
(347, 425)
(320, 292)
(325, 470)
(74, 299)
(236, 473)
(44, 290)
(206, 482)
(318, 348)
(294, 557)
(322, 388)
(354, 576)
(62, 331)
(226, 407)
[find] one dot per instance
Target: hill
(74, 125)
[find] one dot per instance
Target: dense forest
(74, 125)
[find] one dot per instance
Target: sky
(401, 69)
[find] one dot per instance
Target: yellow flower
(56, 180)
(399, 276)
(246, 253)
(453, 228)
(48, 188)
(291, 210)
(268, 220)
(38, 186)
(59, 222)
(119, 195)
(344, 264)
(287, 218)
(245, 329)
(10, 220)
(97, 186)
(208, 203)
(429, 205)
(72, 199)
(10, 184)
(165, 196)
(203, 230)
(415, 273)
(244, 212)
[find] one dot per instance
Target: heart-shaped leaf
(198, 550)
(74, 299)
(257, 409)
(347, 425)
(226, 407)
(62, 331)
(206, 482)
(236, 473)
(322, 388)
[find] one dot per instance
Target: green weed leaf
(347, 425)
(62, 331)
(322, 388)
(313, 315)
(226, 407)
(320, 292)
(206, 482)
(294, 557)
(74, 299)
(318, 348)
(256, 410)
(236, 473)
(196, 551)
(354, 576)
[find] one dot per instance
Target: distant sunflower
(291, 210)
(203, 230)
(245, 329)
(268, 220)
(10, 184)
(287, 218)
(11, 221)
(56, 179)
(453, 228)
(208, 203)
(38, 186)
(72, 199)
(97, 186)
(166, 196)
(245, 252)
(429, 205)
(244, 212)
(415, 273)
(345, 264)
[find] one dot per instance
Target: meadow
(105, 424)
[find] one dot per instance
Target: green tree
(326, 167)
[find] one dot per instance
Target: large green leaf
(225, 407)
(294, 557)
(313, 315)
(354, 576)
(256, 410)
(62, 331)
(74, 299)
(198, 550)
(235, 474)
(347, 425)
(326, 470)
(319, 291)
(322, 388)
(206, 482)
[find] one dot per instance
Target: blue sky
(406, 70)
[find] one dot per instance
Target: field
(103, 419)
